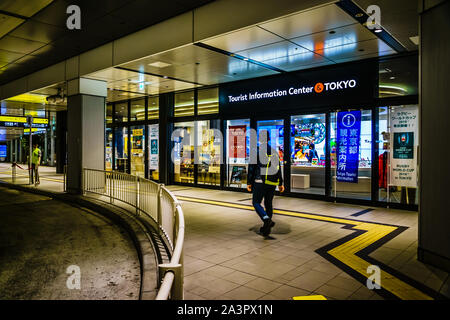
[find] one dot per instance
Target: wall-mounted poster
(348, 140)
(404, 142)
(154, 147)
(237, 142)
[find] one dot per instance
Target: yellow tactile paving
(346, 252)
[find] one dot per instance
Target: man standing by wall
(36, 161)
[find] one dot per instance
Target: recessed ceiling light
(159, 64)
(378, 30)
(358, 15)
(245, 59)
(165, 77)
(392, 78)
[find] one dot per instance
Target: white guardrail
(160, 205)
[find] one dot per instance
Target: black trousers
(34, 173)
(263, 191)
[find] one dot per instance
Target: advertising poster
(404, 140)
(348, 140)
(154, 147)
(237, 142)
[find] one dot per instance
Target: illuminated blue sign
(348, 139)
(3, 153)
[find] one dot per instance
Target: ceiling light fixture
(378, 30)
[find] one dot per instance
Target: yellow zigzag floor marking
(346, 252)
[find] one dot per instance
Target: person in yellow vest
(262, 179)
(35, 162)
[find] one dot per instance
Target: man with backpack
(263, 178)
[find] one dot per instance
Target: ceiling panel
(34, 30)
(244, 39)
(8, 56)
(336, 37)
(354, 50)
(310, 21)
(8, 23)
(25, 8)
(19, 45)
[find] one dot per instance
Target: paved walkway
(316, 247)
(41, 237)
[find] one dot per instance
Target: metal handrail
(138, 193)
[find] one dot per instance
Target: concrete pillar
(434, 222)
(61, 140)
(85, 129)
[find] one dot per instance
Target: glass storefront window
(362, 187)
(183, 152)
(109, 113)
(208, 101)
(398, 154)
(138, 151)
(308, 144)
(153, 107)
(108, 151)
(121, 112)
(209, 152)
(153, 133)
(238, 151)
(137, 110)
(121, 149)
(184, 104)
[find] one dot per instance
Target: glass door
(138, 151)
(276, 131)
(351, 154)
(308, 150)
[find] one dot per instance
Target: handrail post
(13, 173)
(177, 291)
(159, 201)
(137, 195)
(111, 184)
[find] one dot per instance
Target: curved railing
(156, 202)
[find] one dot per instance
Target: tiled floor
(226, 259)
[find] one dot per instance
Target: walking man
(35, 162)
(263, 178)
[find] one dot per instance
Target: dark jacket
(258, 171)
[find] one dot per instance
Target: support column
(85, 129)
(434, 222)
(61, 140)
(166, 102)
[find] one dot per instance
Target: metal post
(159, 208)
(13, 172)
(137, 195)
(30, 173)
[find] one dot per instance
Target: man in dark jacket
(263, 178)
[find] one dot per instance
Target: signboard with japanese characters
(154, 148)
(404, 142)
(348, 140)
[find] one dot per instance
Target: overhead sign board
(13, 121)
(324, 87)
